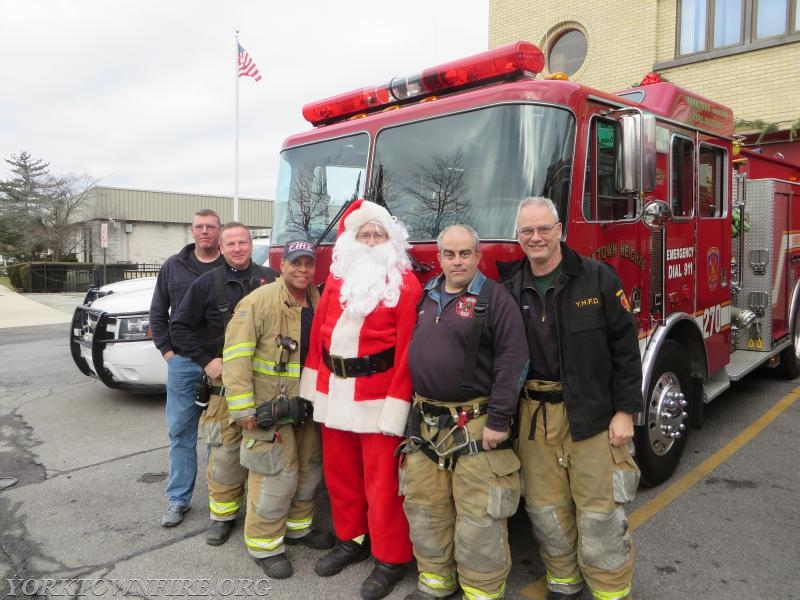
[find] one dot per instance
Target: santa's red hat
(361, 212)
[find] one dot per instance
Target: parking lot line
(538, 589)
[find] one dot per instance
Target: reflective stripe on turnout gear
(471, 593)
(241, 401)
(299, 524)
(241, 350)
(564, 585)
(270, 367)
(438, 583)
(224, 509)
(263, 544)
(615, 595)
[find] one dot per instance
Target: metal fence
(76, 277)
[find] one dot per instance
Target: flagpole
(236, 177)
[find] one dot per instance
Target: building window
(708, 25)
(567, 52)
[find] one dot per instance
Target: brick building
(743, 53)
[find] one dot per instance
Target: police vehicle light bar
(520, 59)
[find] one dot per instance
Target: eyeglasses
(202, 227)
(375, 235)
(542, 230)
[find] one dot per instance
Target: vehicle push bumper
(125, 363)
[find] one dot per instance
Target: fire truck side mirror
(655, 213)
(637, 152)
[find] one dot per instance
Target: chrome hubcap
(666, 414)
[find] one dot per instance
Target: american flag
(247, 66)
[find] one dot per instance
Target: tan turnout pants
(226, 475)
(457, 517)
(575, 494)
(283, 478)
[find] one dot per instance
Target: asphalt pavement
(90, 462)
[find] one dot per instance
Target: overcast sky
(141, 93)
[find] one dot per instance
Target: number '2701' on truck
(705, 239)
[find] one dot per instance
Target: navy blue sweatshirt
(438, 347)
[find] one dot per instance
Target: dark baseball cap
(297, 248)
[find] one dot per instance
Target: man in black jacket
(174, 278)
(576, 410)
(197, 329)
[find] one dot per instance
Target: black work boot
(276, 567)
(342, 555)
(561, 596)
(420, 595)
(219, 532)
(382, 580)
(316, 539)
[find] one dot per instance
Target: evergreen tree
(21, 200)
(39, 211)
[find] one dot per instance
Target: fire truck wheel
(660, 441)
(789, 368)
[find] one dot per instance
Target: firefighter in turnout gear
(197, 330)
(468, 358)
(576, 411)
(266, 343)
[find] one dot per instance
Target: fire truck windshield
(471, 167)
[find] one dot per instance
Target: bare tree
(439, 189)
(311, 200)
(62, 231)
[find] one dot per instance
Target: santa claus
(356, 375)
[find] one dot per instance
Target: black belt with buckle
(549, 397)
(360, 366)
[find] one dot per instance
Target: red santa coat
(379, 403)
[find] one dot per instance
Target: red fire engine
(707, 243)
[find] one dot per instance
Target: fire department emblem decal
(712, 260)
(465, 307)
(623, 299)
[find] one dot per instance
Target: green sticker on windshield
(605, 135)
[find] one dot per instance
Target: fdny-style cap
(298, 248)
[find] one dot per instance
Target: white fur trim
(320, 407)
(364, 416)
(308, 384)
(346, 334)
(368, 211)
(394, 416)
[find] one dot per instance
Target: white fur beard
(369, 276)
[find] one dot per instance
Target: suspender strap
(219, 291)
(473, 344)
